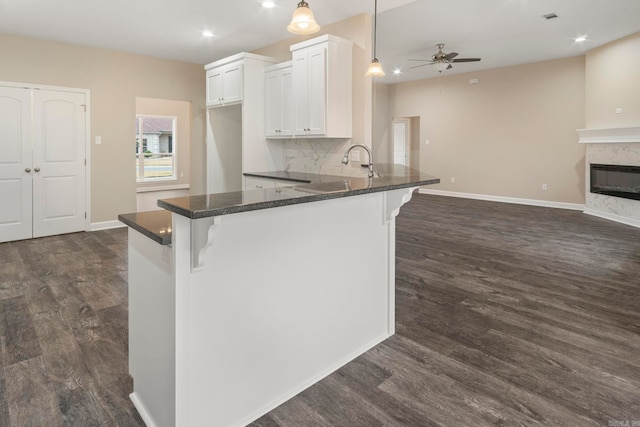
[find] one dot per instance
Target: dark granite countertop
(156, 225)
(317, 188)
(297, 177)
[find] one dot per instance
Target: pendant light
(303, 21)
(375, 68)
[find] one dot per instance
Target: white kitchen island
(261, 294)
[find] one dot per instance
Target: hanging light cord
(375, 27)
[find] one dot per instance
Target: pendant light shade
(303, 21)
(375, 68)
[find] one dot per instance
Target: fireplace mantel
(609, 136)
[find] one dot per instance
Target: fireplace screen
(615, 180)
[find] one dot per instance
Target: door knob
(37, 169)
(27, 170)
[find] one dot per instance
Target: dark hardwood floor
(506, 315)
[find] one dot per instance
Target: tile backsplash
(322, 156)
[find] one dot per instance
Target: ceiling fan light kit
(375, 68)
(443, 61)
(303, 21)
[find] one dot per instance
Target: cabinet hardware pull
(27, 170)
(37, 169)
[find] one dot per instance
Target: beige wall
(115, 79)
(612, 82)
(181, 110)
(358, 30)
(382, 115)
(505, 136)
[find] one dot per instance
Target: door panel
(317, 91)
(58, 162)
(15, 160)
(401, 142)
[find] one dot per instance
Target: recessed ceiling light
(397, 71)
(268, 4)
(581, 39)
(207, 33)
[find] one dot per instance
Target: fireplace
(616, 180)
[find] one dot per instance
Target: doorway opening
(405, 141)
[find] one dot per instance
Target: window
(155, 145)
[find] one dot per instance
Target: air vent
(549, 16)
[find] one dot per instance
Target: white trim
(105, 225)
(239, 57)
(144, 414)
(609, 135)
(612, 217)
(163, 188)
(502, 199)
(87, 168)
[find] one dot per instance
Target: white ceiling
(501, 32)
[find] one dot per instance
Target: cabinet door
(232, 83)
(301, 91)
(273, 103)
(279, 111)
(214, 87)
(316, 92)
(288, 111)
(254, 183)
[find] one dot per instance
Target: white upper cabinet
(321, 94)
(322, 85)
(309, 82)
(279, 114)
(224, 84)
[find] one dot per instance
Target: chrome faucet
(345, 159)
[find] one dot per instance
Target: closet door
(15, 164)
(59, 128)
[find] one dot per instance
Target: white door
(59, 132)
(401, 142)
(15, 164)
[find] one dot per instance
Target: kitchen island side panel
(151, 329)
(285, 297)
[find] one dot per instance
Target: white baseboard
(105, 225)
(613, 217)
(502, 199)
(142, 410)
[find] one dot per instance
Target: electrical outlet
(98, 140)
(355, 156)
(545, 187)
(426, 141)
(618, 110)
(453, 180)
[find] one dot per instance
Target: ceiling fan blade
(426, 60)
(418, 66)
(450, 55)
(465, 60)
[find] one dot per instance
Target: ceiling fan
(443, 61)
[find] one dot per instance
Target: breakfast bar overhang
(261, 294)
